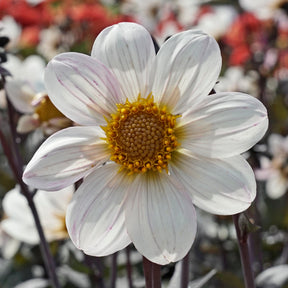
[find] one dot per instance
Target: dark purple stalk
(113, 275)
(12, 126)
(152, 274)
(254, 239)
(15, 162)
(242, 235)
(129, 267)
(48, 260)
(185, 272)
(96, 265)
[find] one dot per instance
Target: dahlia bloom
(275, 170)
(264, 9)
(26, 92)
(236, 78)
(18, 220)
(223, 15)
(150, 143)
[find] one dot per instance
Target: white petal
(52, 207)
(223, 187)
(66, 157)
(187, 67)
(82, 88)
(199, 283)
(9, 245)
(16, 206)
(276, 185)
(277, 144)
(275, 276)
(160, 217)
(18, 230)
(33, 283)
(262, 9)
(55, 202)
(95, 218)
(127, 49)
(19, 223)
(224, 125)
(21, 94)
(28, 123)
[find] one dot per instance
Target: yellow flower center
(141, 136)
(46, 110)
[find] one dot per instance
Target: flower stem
(15, 162)
(185, 272)
(12, 126)
(242, 235)
(129, 267)
(96, 265)
(152, 274)
(113, 276)
(48, 260)
(255, 238)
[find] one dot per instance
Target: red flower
(242, 36)
(26, 14)
(30, 36)
(239, 55)
(243, 30)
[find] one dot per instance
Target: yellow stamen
(46, 110)
(141, 136)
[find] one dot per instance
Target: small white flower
(51, 206)
(223, 15)
(275, 276)
(8, 245)
(26, 92)
(34, 283)
(275, 171)
(264, 9)
(175, 281)
(10, 28)
(165, 143)
(235, 79)
(145, 12)
(53, 41)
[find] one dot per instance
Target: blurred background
(253, 37)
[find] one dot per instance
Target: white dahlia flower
(151, 142)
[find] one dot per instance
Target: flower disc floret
(141, 135)
(45, 110)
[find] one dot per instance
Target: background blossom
(19, 223)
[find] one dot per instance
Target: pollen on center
(141, 135)
(45, 109)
